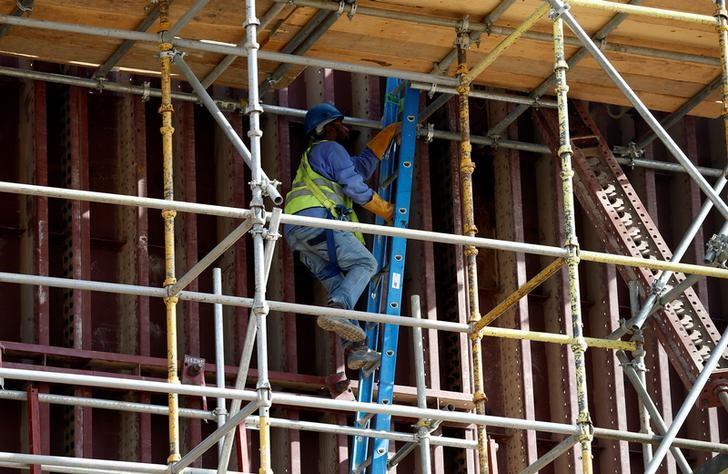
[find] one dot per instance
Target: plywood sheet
(664, 84)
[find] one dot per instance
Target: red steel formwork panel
(684, 327)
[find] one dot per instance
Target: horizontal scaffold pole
(305, 401)
(235, 106)
(250, 422)
(639, 10)
(373, 229)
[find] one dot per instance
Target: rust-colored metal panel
(519, 450)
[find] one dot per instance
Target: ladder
(683, 326)
(385, 292)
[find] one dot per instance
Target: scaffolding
(262, 221)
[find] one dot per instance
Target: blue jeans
(357, 264)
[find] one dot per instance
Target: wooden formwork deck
(662, 84)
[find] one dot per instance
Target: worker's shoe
(362, 358)
(347, 330)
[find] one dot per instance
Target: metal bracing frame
(255, 220)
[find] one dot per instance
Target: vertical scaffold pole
(165, 59)
(571, 244)
(466, 182)
(722, 18)
(257, 184)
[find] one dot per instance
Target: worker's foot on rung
(343, 327)
(363, 358)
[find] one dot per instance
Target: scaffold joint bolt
(563, 150)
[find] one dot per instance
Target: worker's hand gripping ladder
(385, 293)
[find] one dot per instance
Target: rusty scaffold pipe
(571, 245)
(471, 252)
(165, 59)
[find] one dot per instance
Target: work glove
(380, 207)
(379, 144)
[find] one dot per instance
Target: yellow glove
(381, 140)
(380, 207)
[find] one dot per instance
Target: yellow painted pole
(660, 13)
(593, 342)
(503, 45)
(466, 182)
(571, 245)
(167, 131)
(513, 298)
(600, 257)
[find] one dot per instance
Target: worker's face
(337, 131)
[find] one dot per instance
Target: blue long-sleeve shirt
(332, 161)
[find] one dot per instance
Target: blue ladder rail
(390, 254)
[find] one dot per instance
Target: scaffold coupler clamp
(219, 411)
(557, 9)
(430, 133)
(100, 81)
(716, 253)
(172, 54)
(586, 428)
(147, 89)
(265, 395)
(631, 152)
(463, 29)
(479, 396)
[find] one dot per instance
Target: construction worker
(328, 183)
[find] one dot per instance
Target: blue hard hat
(318, 116)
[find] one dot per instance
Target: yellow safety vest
(310, 189)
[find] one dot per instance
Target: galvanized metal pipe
(89, 466)
(353, 121)
(126, 45)
(168, 215)
(619, 81)
(638, 320)
(189, 15)
(414, 234)
(214, 437)
(488, 25)
(237, 142)
(467, 167)
(423, 431)
(300, 43)
(680, 112)
(260, 307)
(481, 94)
(655, 417)
(551, 455)
(304, 401)
(221, 409)
(546, 85)
(228, 60)
(240, 380)
(251, 422)
(687, 405)
(639, 364)
(500, 48)
(211, 256)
